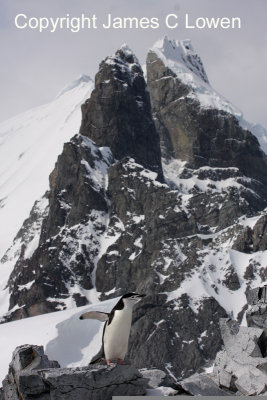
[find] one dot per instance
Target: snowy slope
(217, 261)
(181, 58)
(29, 146)
(65, 338)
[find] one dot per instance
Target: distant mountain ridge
(29, 146)
(162, 192)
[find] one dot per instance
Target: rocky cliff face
(118, 114)
(191, 235)
(191, 128)
(60, 269)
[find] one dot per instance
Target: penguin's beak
(138, 297)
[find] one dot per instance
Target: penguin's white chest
(116, 335)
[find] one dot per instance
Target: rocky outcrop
(199, 135)
(32, 375)
(256, 315)
(59, 269)
(201, 385)
(242, 366)
(118, 114)
(259, 234)
(253, 239)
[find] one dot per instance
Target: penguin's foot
(119, 361)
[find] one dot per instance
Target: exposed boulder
(201, 385)
(32, 375)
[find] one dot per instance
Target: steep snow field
(29, 146)
(66, 338)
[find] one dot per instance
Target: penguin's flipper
(100, 316)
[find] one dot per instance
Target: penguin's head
(130, 299)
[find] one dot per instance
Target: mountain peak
(179, 57)
(129, 56)
(124, 55)
(118, 113)
(82, 78)
(180, 52)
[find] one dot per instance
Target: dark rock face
(118, 114)
(61, 266)
(259, 236)
(138, 201)
(32, 375)
(180, 338)
(257, 313)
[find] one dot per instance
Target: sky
(36, 66)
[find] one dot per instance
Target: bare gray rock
(257, 313)
(155, 377)
(201, 385)
(251, 383)
(257, 295)
(32, 375)
(242, 366)
(31, 357)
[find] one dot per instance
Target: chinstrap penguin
(117, 327)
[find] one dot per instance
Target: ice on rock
(181, 52)
(182, 59)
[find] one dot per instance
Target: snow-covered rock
(181, 58)
(29, 145)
